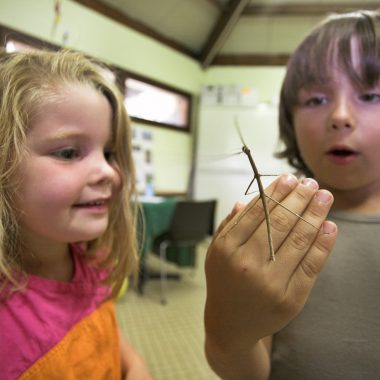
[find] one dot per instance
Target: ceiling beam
(222, 30)
(251, 60)
(303, 9)
(216, 3)
(124, 19)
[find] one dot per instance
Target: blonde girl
(67, 227)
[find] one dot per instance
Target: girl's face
(337, 128)
(67, 179)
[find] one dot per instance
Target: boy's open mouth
(341, 152)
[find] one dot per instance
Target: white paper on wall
(229, 95)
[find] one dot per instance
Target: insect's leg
(249, 186)
(294, 213)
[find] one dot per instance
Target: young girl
(329, 122)
(66, 225)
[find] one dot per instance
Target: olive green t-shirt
(337, 334)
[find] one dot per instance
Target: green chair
(192, 223)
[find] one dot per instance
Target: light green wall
(101, 37)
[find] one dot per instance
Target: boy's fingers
(285, 215)
(242, 226)
(237, 207)
(312, 263)
(302, 236)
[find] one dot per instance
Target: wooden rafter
(303, 9)
(251, 60)
(222, 30)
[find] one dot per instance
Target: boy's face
(337, 128)
(67, 180)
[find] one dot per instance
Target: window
(146, 101)
(153, 104)
(14, 45)
(16, 41)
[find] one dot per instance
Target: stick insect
(257, 176)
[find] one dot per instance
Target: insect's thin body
(246, 150)
(257, 176)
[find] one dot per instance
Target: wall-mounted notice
(229, 95)
(142, 141)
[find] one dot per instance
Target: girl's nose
(342, 115)
(103, 171)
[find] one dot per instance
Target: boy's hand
(249, 296)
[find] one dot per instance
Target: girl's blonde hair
(27, 82)
(329, 43)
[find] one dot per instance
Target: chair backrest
(193, 220)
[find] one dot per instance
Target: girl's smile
(98, 206)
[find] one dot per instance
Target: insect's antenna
(239, 131)
(219, 156)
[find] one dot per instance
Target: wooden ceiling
(225, 32)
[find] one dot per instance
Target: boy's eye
(66, 154)
(315, 101)
(370, 97)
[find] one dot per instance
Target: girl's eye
(66, 154)
(370, 97)
(109, 155)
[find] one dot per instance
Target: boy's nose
(341, 115)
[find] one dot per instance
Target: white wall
(220, 174)
(223, 171)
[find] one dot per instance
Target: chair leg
(163, 275)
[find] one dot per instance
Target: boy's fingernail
(323, 196)
(309, 182)
(328, 227)
(237, 207)
(291, 179)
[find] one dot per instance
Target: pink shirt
(33, 321)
